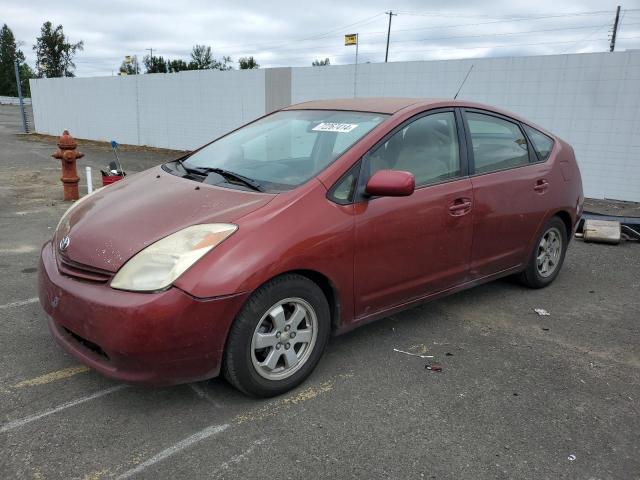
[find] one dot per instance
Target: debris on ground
(571, 457)
(541, 311)
(598, 227)
(434, 367)
(412, 354)
(601, 231)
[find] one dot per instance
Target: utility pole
(391, 14)
(18, 82)
(355, 71)
(615, 30)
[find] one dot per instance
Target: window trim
(355, 169)
(462, 152)
(533, 157)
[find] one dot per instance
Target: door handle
(460, 206)
(541, 186)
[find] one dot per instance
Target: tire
(534, 275)
(267, 351)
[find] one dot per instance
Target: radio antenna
(463, 81)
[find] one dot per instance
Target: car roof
(372, 104)
(391, 105)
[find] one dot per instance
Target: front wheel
(278, 337)
(547, 256)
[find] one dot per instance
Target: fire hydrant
(68, 155)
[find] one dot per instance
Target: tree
(9, 53)
(25, 74)
(248, 63)
(54, 53)
(129, 65)
(201, 58)
(226, 63)
(178, 66)
(155, 64)
(321, 63)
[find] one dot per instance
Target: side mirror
(391, 183)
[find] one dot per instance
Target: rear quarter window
(542, 144)
(498, 144)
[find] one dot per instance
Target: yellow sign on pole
(351, 39)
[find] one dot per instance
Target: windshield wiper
(228, 175)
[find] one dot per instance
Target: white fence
(14, 100)
(591, 100)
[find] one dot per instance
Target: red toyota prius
(243, 256)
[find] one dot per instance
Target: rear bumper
(160, 338)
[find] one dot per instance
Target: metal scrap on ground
(412, 354)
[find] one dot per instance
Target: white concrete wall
(180, 110)
(591, 100)
(101, 108)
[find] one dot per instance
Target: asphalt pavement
(520, 395)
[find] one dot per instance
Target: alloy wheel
(284, 339)
(549, 252)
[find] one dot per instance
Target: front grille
(82, 272)
(87, 344)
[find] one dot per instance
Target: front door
(409, 247)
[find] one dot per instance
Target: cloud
(290, 33)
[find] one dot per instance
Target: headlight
(161, 263)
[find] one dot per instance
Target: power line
(433, 27)
(438, 38)
(369, 52)
(315, 36)
(506, 45)
(521, 19)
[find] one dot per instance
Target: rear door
(509, 191)
(409, 247)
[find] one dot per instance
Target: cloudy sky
(294, 33)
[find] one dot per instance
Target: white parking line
(19, 303)
(224, 466)
(181, 445)
(36, 416)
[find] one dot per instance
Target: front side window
(541, 142)
(497, 144)
(427, 147)
(285, 149)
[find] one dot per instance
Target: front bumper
(160, 338)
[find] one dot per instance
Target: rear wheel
(548, 255)
(278, 338)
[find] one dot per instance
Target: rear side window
(542, 144)
(497, 144)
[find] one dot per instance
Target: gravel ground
(520, 395)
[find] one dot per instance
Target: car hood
(118, 221)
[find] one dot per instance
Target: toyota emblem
(64, 243)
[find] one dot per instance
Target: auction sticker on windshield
(334, 127)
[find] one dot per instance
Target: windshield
(287, 148)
